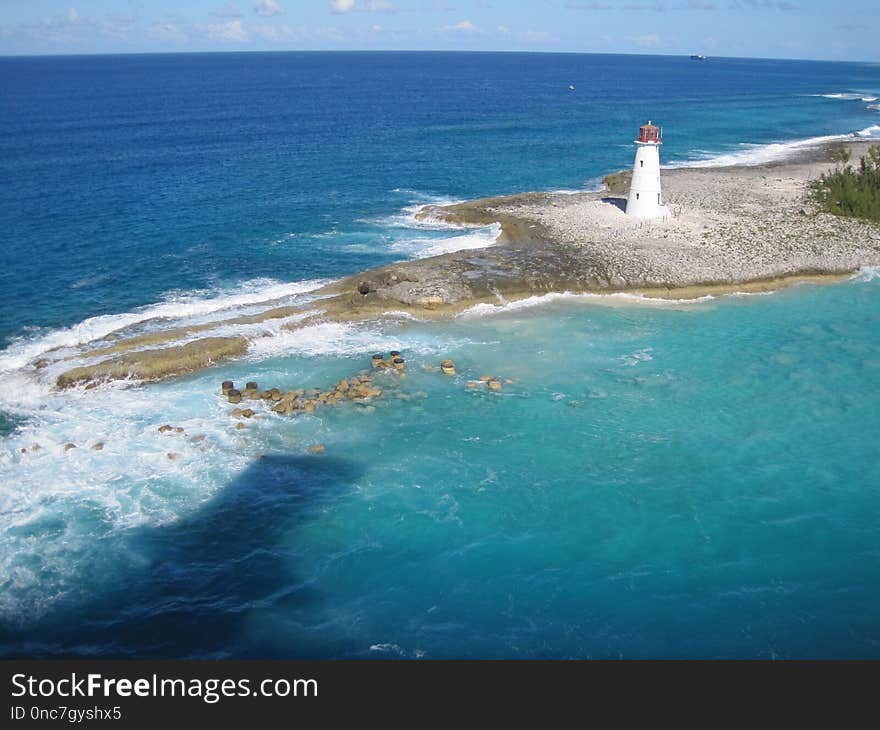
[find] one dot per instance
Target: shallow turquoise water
(667, 480)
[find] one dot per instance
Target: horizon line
(420, 50)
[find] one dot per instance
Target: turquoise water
(659, 479)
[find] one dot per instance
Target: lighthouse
(645, 200)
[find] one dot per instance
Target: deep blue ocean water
(685, 480)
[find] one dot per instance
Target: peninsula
(741, 228)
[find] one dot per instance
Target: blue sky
(842, 30)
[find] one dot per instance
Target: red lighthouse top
(649, 134)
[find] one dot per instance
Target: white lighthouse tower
(645, 199)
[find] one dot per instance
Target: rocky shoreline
(731, 229)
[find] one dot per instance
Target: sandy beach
(744, 228)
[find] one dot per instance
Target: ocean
(658, 479)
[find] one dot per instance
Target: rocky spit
(381, 380)
(729, 229)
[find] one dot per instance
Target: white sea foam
(611, 299)
(399, 314)
(843, 95)
(175, 306)
(759, 154)
(56, 503)
(341, 339)
(407, 216)
(871, 132)
(422, 247)
(867, 273)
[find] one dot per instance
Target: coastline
(733, 229)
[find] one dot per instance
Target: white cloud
(119, 29)
(380, 6)
(229, 10)
(535, 36)
(166, 32)
(232, 31)
(267, 8)
(268, 32)
(651, 39)
(465, 26)
(73, 16)
(367, 6)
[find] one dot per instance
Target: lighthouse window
(641, 163)
(637, 196)
(658, 198)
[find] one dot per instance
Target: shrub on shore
(852, 191)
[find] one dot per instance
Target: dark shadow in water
(198, 579)
(616, 202)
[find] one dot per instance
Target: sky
(845, 30)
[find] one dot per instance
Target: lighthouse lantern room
(645, 198)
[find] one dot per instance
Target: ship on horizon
(698, 57)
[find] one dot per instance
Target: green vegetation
(841, 153)
(852, 191)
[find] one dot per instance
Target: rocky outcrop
(156, 364)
